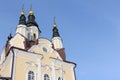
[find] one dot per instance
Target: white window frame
(33, 72)
(48, 75)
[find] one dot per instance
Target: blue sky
(90, 30)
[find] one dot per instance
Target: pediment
(17, 41)
(45, 48)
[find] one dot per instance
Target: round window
(44, 49)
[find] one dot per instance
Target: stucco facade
(28, 56)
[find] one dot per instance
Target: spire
(22, 19)
(55, 30)
(54, 24)
(22, 13)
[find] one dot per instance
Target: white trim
(63, 63)
(47, 74)
(60, 77)
(21, 28)
(28, 53)
(39, 69)
(14, 65)
(11, 55)
(33, 29)
(72, 72)
(38, 56)
(46, 67)
(71, 65)
(57, 41)
(53, 70)
(21, 31)
(27, 74)
(21, 25)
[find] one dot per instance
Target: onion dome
(31, 20)
(22, 19)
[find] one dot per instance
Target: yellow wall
(24, 62)
(5, 69)
(23, 66)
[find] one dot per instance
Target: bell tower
(56, 39)
(21, 28)
(33, 31)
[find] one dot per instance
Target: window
(31, 75)
(34, 36)
(60, 78)
(29, 36)
(44, 49)
(46, 77)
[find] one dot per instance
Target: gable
(45, 48)
(17, 41)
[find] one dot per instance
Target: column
(53, 69)
(39, 69)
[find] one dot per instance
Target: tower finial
(31, 7)
(22, 19)
(54, 19)
(54, 25)
(22, 13)
(23, 7)
(31, 11)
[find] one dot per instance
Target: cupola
(21, 27)
(56, 39)
(33, 31)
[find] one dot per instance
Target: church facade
(28, 56)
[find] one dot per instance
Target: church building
(28, 56)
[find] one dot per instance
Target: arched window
(29, 36)
(34, 36)
(60, 78)
(46, 77)
(31, 75)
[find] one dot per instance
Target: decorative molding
(31, 63)
(46, 67)
(39, 69)
(21, 25)
(61, 77)
(28, 53)
(53, 70)
(27, 74)
(47, 74)
(60, 70)
(62, 63)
